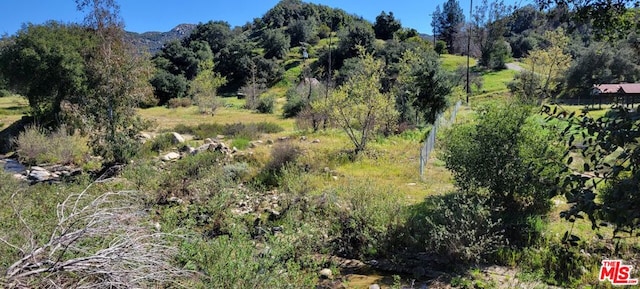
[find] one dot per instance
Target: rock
(316, 141)
(326, 170)
(335, 178)
(283, 138)
(220, 136)
(177, 138)
(326, 273)
(20, 177)
(411, 184)
(39, 175)
(234, 150)
(259, 142)
(374, 286)
(143, 137)
(269, 142)
(252, 145)
(303, 138)
(175, 200)
(170, 156)
(208, 141)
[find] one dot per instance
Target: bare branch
(103, 243)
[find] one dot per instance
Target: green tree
(118, 79)
(358, 106)
(490, 24)
(46, 63)
(386, 26)
(545, 69)
(167, 86)
(205, 87)
(359, 34)
(447, 23)
(423, 83)
(601, 63)
(510, 154)
(275, 43)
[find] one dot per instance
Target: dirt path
(514, 66)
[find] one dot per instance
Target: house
(623, 93)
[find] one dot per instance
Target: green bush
(266, 104)
(37, 146)
(458, 226)
(365, 217)
(236, 171)
(179, 102)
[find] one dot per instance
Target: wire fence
(430, 141)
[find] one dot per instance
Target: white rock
(170, 156)
(374, 286)
(177, 138)
(316, 141)
(326, 273)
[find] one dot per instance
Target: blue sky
(163, 15)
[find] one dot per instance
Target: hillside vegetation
(286, 153)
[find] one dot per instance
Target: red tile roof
(619, 88)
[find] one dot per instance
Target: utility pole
(469, 52)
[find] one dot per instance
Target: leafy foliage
(56, 54)
(358, 106)
(509, 154)
(386, 26)
(447, 22)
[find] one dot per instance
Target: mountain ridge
(152, 41)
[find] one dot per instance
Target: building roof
(625, 88)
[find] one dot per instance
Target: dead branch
(99, 242)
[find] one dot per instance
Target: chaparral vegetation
(286, 153)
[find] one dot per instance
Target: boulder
(326, 273)
(170, 156)
(316, 141)
(220, 136)
(374, 286)
(208, 141)
(39, 174)
(177, 138)
(143, 137)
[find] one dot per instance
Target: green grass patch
(240, 143)
(452, 62)
(243, 130)
(12, 108)
(496, 81)
(166, 119)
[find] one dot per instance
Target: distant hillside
(153, 41)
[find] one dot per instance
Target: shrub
(294, 105)
(460, 226)
(236, 171)
(208, 104)
(266, 104)
(161, 142)
(4, 92)
(179, 102)
(365, 220)
(36, 146)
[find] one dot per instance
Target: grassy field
(12, 108)
(452, 62)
